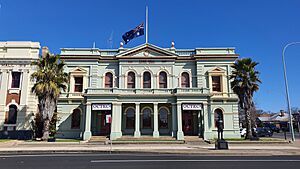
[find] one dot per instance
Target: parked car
(273, 127)
(263, 132)
(243, 132)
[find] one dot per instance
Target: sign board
(101, 106)
(192, 106)
(108, 118)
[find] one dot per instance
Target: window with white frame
(146, 80)
(163, 80)
(108, 80)
(185, 80)
(131, 80)
(216, 83)
(15, 79)
(78, 86)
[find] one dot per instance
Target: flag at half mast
(136, 32)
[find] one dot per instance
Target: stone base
(87, 135)
(155, 134)
(180, 135)
(137, 134)
(221, 145)
(115, 135)
(17, 134)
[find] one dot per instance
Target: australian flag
(136, 32)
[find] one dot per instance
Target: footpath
(25, 147)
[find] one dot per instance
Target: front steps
(193, 140)
(98, 140)
(147, 140)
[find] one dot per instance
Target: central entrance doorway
(101, 119)
(192, 120)
(189, 123)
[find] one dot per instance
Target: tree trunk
(46, 130)
(248, 124)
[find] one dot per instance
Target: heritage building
(17, 104)
(148, 90)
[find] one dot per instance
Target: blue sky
(257, 28)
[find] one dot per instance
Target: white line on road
(227, 160)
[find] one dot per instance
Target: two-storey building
(148, 90)
(17, 104)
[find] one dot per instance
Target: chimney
(45, 51)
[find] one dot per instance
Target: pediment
(216, 70)
(78, 70)
(147, 50)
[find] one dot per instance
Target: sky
(256, 28)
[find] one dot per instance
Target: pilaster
(180, 135)
(155, 108)
(87, 129)
(174, 120)
(116, 122)
(137, 132)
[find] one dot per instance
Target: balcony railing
(71, 95)
(117, 91)
(192, 90)
(127, 91)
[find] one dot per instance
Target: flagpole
(146, 24)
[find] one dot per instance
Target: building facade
(148, 90)
(17, 104)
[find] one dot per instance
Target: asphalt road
(143, 161)
(288, 135)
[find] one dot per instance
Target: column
(180, 135)
(137, 132)
(3, 90)
(155, 131)
(87, 128)
(174, 118)
(24, 86)
(116, 121)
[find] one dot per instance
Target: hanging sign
(191, 106)
(101, 106)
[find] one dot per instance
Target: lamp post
(287, 89)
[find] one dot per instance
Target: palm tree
(245, 83)
(49, 79)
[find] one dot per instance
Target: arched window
(147, 80)
(11, 118)
(131, 80)
(147, 118)
(76, 117)
(163, 80)
(163, 118)
(218, 115)
(185, 80)
(130, 118)
(108, 80)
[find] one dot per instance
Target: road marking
(227, 160)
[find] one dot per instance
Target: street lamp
(287, 89)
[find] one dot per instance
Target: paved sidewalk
(206, 149)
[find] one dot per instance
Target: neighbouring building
(148, 90)
(17, 104)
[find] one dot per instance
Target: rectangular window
(16, 77)
(216, 83)
(78, 84)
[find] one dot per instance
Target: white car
(243, 132)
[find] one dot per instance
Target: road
(144, 161)
(288, 135)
